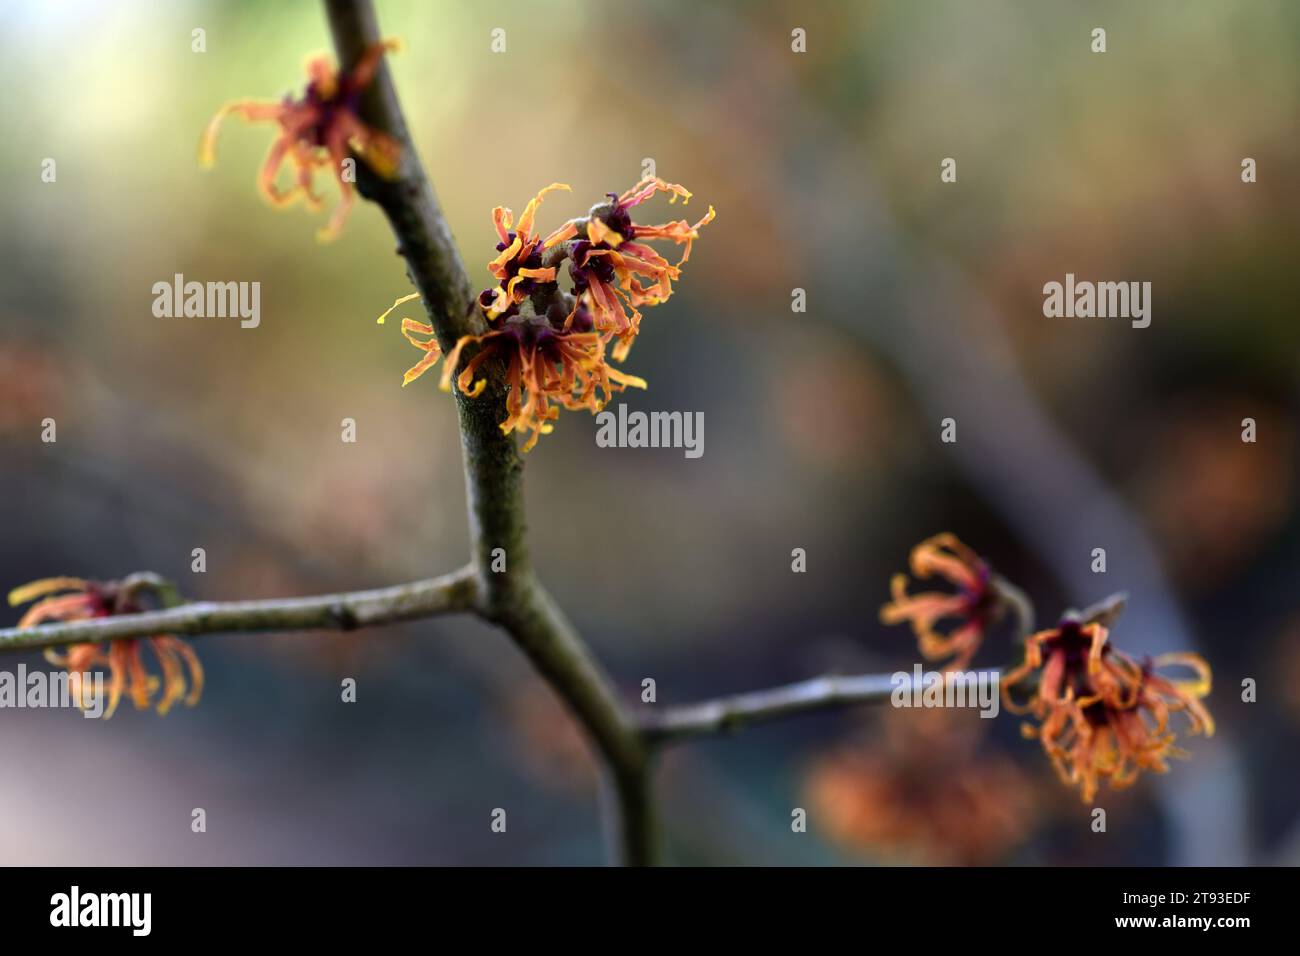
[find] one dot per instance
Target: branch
(492, 465)
(544, 634)
(493, 470)
(344, 611)
(1104, 612)
(1019, 603)
(674, 724)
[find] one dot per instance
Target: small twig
(344, 611)
(1019, 604)
(1104, 612)
(674, 724)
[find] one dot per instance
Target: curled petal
(453, 357)
(650, 185)
(498, 265)
(598, 232)
(429, 360)
(323, 76)
(65, 607)
(250, 111)
(359, 77)
(564, 233)
(42, 587)
(946, 556)
(530, 211)
(401, 300)
(1201, 685)
(175, 657)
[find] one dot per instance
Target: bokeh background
(822, 428)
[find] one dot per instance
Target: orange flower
(923, 791)
(1102, 715)
(546, 362)
(315, 132)
(973, 605)
(90, 599)
(547, 358)
(613, 269)
(519, 265)
(552, 342)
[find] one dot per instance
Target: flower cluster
(316, 131)
(613, 269)
(1098, 713)
(553, 342)
(72, 599)
(972, 606)
(1101, 714)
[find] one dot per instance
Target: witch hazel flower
(550, 363)
(615, 272)
(1100, 714)
(553, 342)
(519, 265)
(316, 131)
(75, 599)
(948, 624)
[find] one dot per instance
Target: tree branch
(544, 634)
(674, 724)
(1104, 612)
(344, 611)
(1019, 603)
(493, 470)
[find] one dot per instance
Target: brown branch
(1019, 604)
(344, 611)
(674, 724)
(493, 470)
(544, 634)
(1104, 612)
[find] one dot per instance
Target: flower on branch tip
(316, 131)
(1100, 714)
(553, 342)
(73, 599)
(973, 606)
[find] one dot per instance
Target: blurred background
(924, 302)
